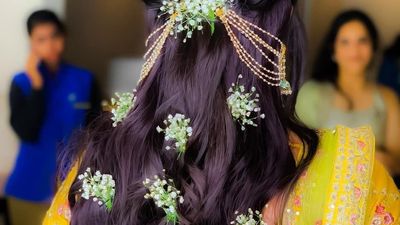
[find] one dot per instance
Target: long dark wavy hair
(224, 168)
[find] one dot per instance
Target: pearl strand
(282, 54)
(153, 46)
(255, 38)
(232, 13)
(245, 57)
(243, 26)
(156, 50)
(154, 33)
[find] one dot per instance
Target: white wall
(58, 6)
(13, 51)
(123, 74)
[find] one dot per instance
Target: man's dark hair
(43, 17)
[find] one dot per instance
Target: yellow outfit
(59, 212)
(342, 186)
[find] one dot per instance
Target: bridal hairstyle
(224, 169)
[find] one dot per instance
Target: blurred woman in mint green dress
(341, 93)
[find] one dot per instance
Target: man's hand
(33, 72)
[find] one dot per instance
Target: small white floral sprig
(191, 14)
(121, 106)
(100, 187)
(242, 104)
(177, 130)
(251, 218)
(165, 195)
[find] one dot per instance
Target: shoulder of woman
(312, 94)
(389, 96)
(314, 88)
(311, 85)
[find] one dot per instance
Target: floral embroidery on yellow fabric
(319, 222)
(381, 216)
(59, 212)
(351, 177)
(65, 211)
(344, 185)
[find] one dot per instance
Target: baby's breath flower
(177, 130)
(191, 14)
(100, 187)
(165, 196)
(251, 218)
(243, 105)
(121, 106)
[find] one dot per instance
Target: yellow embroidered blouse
(343, 185)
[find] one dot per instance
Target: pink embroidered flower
(376, 221)
(60, 210)
(361, 144)
(380, 209)
(353, 219)
(357, 192)
(388, 219)
(297, 201)
(361, 168)
(319, 222)
(64, 211)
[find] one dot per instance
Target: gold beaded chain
(231, 20)
(244, 27)
(246, 58)
(156, 41)
(155, 50)
(154, 33)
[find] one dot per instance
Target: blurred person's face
(47, 43)
(353, 48)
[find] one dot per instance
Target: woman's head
(349, 47)
(46, 33)
(224, 169)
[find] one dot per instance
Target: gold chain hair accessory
(190, 15)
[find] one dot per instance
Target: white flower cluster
(243, 104)
(191, 14)
(177, 130)
(100, 187)
(252, 218)
(121, 106)
(165, 195)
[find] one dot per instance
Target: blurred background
(107, 38)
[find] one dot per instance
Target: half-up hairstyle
(224, 169)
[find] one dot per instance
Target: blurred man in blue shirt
(49, 100)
